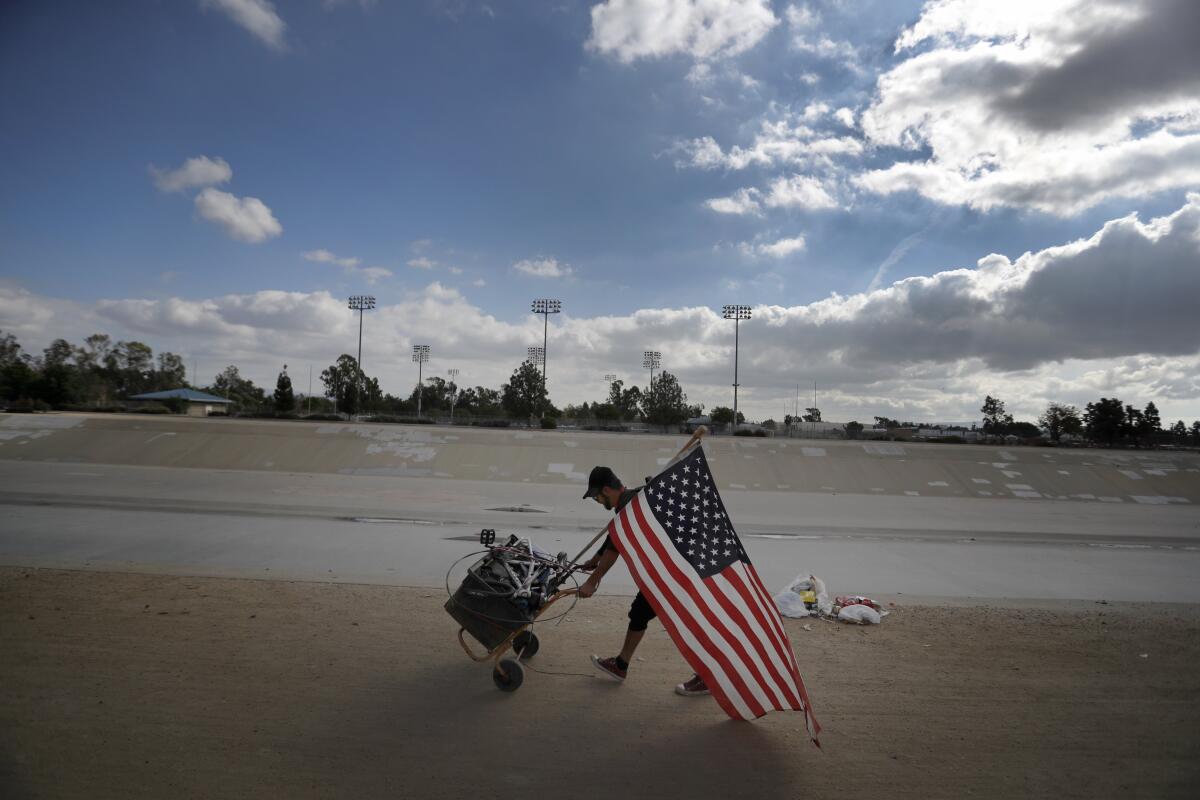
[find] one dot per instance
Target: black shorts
(640, 613)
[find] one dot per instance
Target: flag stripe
(810, 721)
(701, 658)
(731, 629)
(753, 624)
(778, 679)
(774, 627)
(772, 612)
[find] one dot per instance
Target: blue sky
(639, 159)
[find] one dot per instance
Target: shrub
(549, 423)
(154, 408)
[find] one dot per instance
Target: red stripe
(780, 639)
(768, 603)
(735, 676)
(648, 589)
(786, 683)
(810, 719)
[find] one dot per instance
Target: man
(606, 488)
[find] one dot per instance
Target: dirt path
(128, 686)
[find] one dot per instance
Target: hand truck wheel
(525, 644)
(511, 678)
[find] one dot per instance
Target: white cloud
(845, 116)
(704, 29)
(326, 257)
(743, 201)
(799, 191)
(801, 16)
(455, 270)
(246, 219)
(422, 263)
(198, 171)
(780, 248)
(256, 16)
(1111, 314)
(543, 268)
(479, 282)
(1054, 106)
(375, 274)
(782, 141)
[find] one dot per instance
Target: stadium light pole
(737, 314)
(453, 373)
(651, 360)
(360, 303)
(546, 307)
(420, 355)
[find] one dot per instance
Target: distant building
(197, 404)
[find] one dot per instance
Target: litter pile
(806, 596)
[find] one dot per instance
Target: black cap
(601, 477)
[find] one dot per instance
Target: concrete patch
(813, 452)
(938, 483)
(983, 481)
(1131, 474)
(567, 471)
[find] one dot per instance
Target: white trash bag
(863, 615)
(791, 600)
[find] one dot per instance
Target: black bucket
(482, 607)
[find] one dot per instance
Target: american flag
(685, 556)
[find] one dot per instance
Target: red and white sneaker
(693, 687)
(609, 667)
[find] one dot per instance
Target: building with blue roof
(197, 404)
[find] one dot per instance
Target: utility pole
(453, 373)
(360, 303)
(737, 314)
(420, 355)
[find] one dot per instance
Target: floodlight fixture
(360, 303)
(737, 314)
(651, 360)
(536, 355)
(545, 306)
(420, 354)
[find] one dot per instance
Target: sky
(922, 203)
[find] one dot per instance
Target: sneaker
(693, 687)
(609, 667)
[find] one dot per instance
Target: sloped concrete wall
(565, 457)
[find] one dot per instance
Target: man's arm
(604, 562)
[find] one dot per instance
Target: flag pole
(692, 442)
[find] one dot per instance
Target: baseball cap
(601, 477)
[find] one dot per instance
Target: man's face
(606, 498)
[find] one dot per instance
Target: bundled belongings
(501, 596)
(504, 590)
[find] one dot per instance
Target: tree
(770, 424)
(666, 404)
(853, 429)
(625, 403)
(885, 422)
(1023, 430)
(1150, 425)
(341, 381)
(1196, 433)
(1179, 433)
(1058, 419)
(995, 420)
(1104, 420)
(171, 372)
(285, 399)
(16, 371)
(232, 386)
(524, 396)
(812, 415)
(723, 415)
(1133, 423)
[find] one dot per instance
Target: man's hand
(589, 587)
(590, 564)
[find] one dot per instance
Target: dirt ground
(126, 686)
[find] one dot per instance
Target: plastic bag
(805, 596)
(859, 613)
